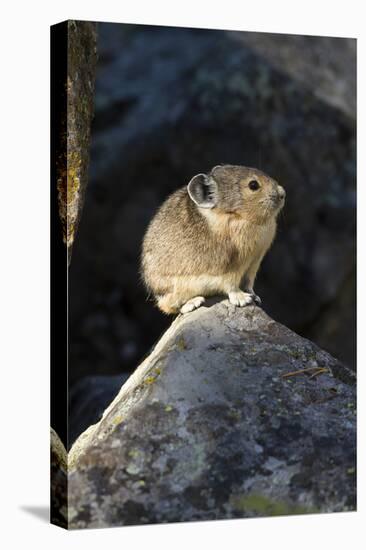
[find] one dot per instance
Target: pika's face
(238, 190)
(259, 191)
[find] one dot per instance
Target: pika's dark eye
(253, 185)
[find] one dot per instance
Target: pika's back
(176, 234)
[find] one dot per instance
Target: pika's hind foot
(240, 298)
(192, 304)
(168, 304)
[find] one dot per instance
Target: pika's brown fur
(210, 237)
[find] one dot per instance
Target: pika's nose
(281, 192)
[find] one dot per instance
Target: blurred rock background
(173, 102)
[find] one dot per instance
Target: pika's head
(237, 190)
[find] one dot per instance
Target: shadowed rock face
(231, 415)
(171, 103)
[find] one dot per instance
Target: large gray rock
(174, 102)
(231, 415)
(326, 65)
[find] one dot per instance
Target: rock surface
(325, 64)
(58, 471)
(173, 102)
(231, 415)
(73, 143)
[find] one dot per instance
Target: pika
(210, 237)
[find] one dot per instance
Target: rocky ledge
(231, 415)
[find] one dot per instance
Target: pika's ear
(203, 191)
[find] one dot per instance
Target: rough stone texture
(88, 399)
(58, 481)
(327, 65)
(231, 415)
(72, 157)
(171, 103)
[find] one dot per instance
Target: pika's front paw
(192, 304)
(240, 298)
(256, 298)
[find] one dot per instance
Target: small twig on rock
(296, 372)
(320, 371)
